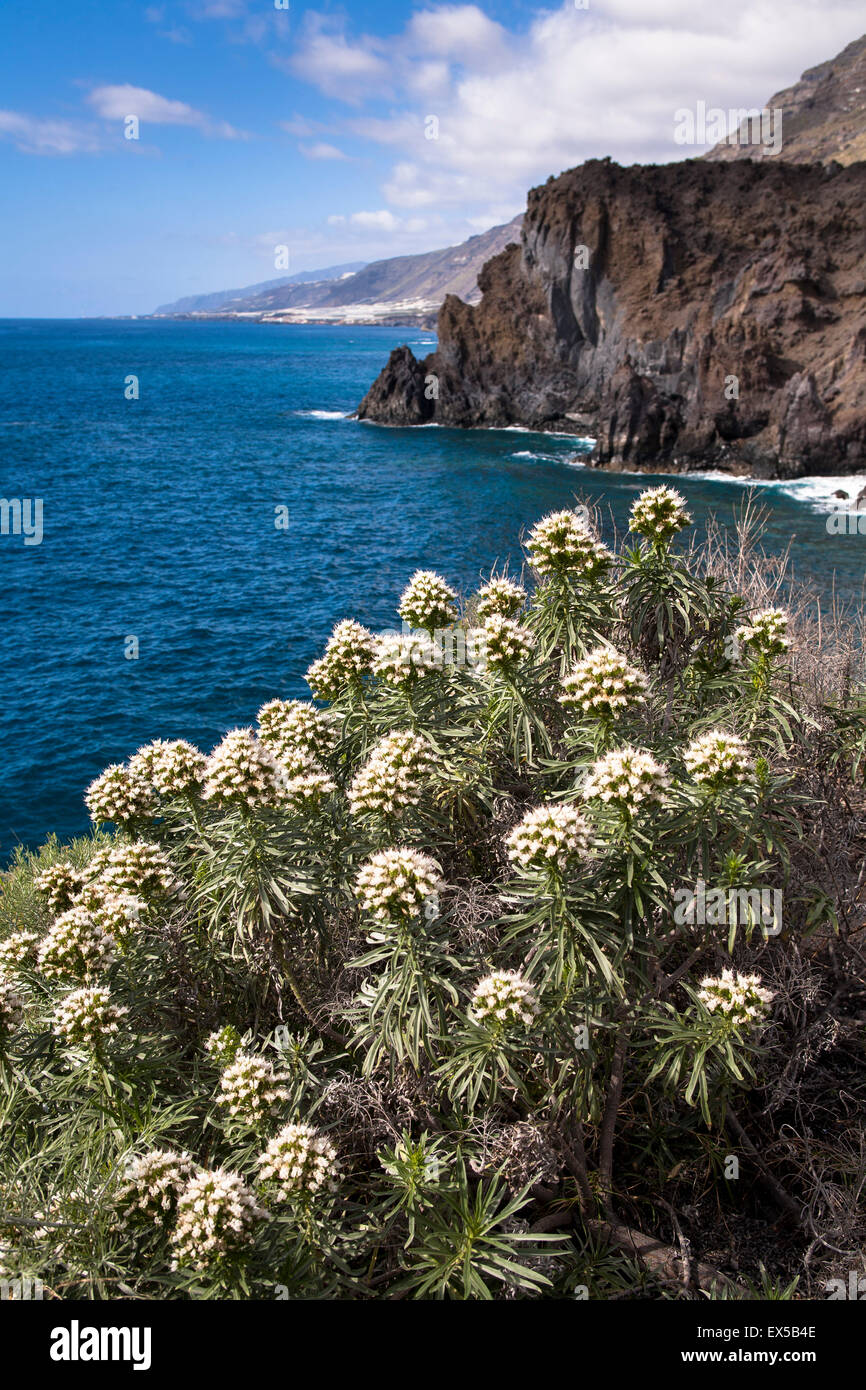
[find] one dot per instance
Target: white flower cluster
(393, 777)
(173, 767)
(114, 913)
(85, 1017)
(603, 684)
(304, 791)
(718, 759)
(295, 731)
(396, 883)
(18, 949)
(154, 1182)
(136, 867)
(505, 642)
(563, 543)
(75, 946)
(299, 1161)
(223, 1045)
(401, 659)
(549, 837)
(216, 1214)
(120, 795)
(659, 513)
(427, 602)
(250, 1089)
(61, 883)
(739, 998)
(767, 633)
(503, 999)
(241, 771)
(11, 1010)
(627, 778)
(347, 659)
(500, 596)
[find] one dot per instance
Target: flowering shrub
(409, 969)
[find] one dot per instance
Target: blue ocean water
(159, 524)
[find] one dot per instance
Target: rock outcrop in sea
(690, 315)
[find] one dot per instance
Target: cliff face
(690, 275)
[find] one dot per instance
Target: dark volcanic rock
(696, 273)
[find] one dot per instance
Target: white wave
(323, 414)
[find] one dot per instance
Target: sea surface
(199, 542)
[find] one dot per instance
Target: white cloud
(33, 135)
(322, 150)
(382, 221)
(577, 84)
(115, 103)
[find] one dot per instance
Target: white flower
(603, 684)
(118, 794)
(402, 659)
(505, 642)
(427, 602)
(134, 867)
(347, 659)
(626, 778)
(299, 1161)
(549, 837)
(500, 596)
(766, 634)
(718, 759)
(75, 946)
(306, 788)
(659, 513)
(242, 771)
(739, 998)
(295, 731)
(11, 1010)
(250, 1089)
(17, 949)
(397, 883)
(503, 999)
(174, 767)
(394, 776)
(61, 883)
(216, 1213)
(154, 1181)
(563, 543)
(85, 1017)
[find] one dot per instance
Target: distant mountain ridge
(401, 289)
(228, 299)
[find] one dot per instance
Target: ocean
(208, 512)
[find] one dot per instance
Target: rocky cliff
(685, 315)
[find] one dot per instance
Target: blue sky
(310, 127)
